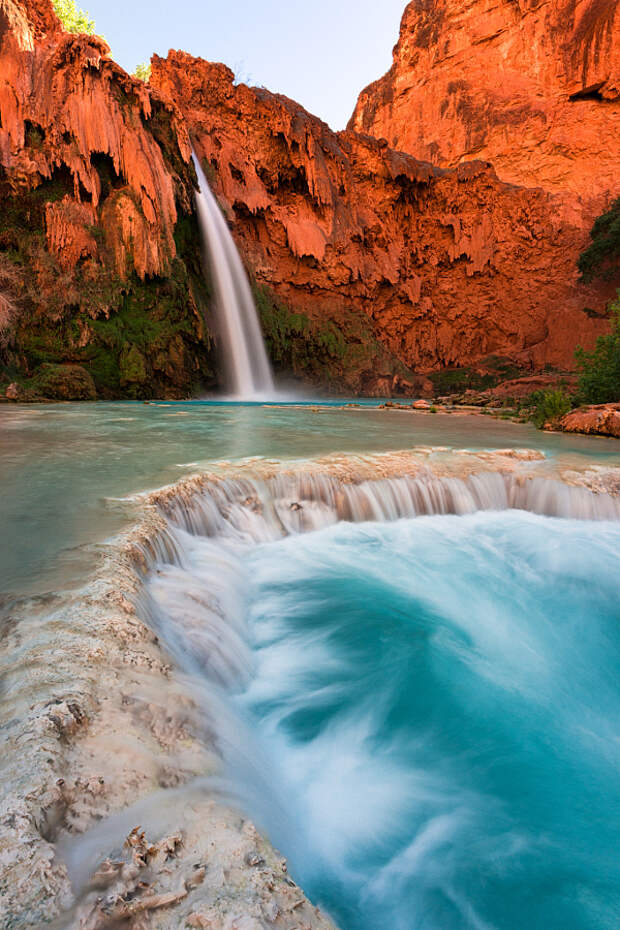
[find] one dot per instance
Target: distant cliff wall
(531, 85)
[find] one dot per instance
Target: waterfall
(255, 510)
(247, 368)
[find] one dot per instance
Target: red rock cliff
(65, 103)
(448, 267)
(530, 85)
(94, 180)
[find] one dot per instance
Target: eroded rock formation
(94, 187)
(531, 85)
(373, 269)
(444, 268)
(602, 420)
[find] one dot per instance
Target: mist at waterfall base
(244, 357)
(422, 714)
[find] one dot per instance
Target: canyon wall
(445, 268)
(531, 85)
(374, 270)
(100, 280)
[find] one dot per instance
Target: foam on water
(421, 713)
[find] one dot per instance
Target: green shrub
(549, 406)
(601, 258)
(143, 72)
(599, 382)
(73, 19)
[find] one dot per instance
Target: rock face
(444, 268)
(95, 186)
(603, 420)
(373, 270)
(531, 85)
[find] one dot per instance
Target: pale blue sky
(319, 52)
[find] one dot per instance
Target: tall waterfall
(247, 369)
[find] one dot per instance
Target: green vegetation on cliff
(72, 18)
(129, 338)
(602, 257)
(599, 382)
(336, 353)
(142, 72)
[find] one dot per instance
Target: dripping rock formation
(443, 268)
(99, 256)
(375, 271)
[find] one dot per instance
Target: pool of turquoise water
(437, 701)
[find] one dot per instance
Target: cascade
(247, 369)
(333, 664)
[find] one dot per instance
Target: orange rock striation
(373, 268)
(448, 267)
(64, 105)
(531, 85)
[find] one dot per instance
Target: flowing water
(244, 357)
(409, 664)
(422, 711)
(440, 700)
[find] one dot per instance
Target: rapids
(412, 683)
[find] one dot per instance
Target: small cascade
(249, 510)
(247, 369)
(360, 683)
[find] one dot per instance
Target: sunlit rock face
(374, 268)
(531, 85)
(448, 267)
(602, 419)
(94, 182)
(65, 104)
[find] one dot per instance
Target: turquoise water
(423, 715)
(63, 465)
(439, 699)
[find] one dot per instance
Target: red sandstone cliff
(65, 103)
(370, 263)
(449, 267)
(94, 180)
(531, 85)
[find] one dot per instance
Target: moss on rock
(336, 351)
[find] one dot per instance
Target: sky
(321, 53)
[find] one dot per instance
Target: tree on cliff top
(143, 72)
(72, 18)
(602, 257)
(599, 382)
